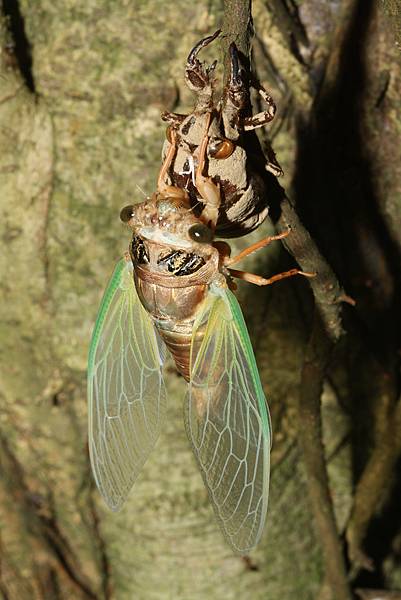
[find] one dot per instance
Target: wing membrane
(126, 393)
(227, 420)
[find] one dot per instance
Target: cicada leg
(236, 98)
(257, 246)
(257, 279)
(198, 77)
(263, 117)
(163, 188)
(209, 191)
(174, 118)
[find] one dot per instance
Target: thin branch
(328, 294)
(237, 27)
(327, 329)
(318, 353)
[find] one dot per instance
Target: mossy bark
(81, 89)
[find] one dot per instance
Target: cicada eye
(127, 213)
(200, 233)
(221, 148)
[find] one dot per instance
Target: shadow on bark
(21, 46)
(338, 202)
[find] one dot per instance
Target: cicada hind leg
(257, 279)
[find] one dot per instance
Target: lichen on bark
(75, 146)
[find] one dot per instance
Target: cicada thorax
(172, 284)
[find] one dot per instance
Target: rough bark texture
(82, 85)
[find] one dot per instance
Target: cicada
(173, 291)
(235, 162)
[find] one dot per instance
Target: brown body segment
(173, 303)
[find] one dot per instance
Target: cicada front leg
(235, 97)
(255, 247)
(198, 79)
(163, 189)
(198, 76)
(235, 101)
(209, 191)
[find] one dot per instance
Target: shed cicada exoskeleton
(173, 290)
(235, 165)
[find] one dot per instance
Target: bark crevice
(20, 46)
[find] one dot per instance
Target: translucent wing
(126, 392)
(227, 420)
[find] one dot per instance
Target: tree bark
(82, 86)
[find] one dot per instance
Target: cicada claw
(192, 56)
(197, 75)
(235, 78)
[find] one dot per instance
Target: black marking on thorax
(180, 262)
(138, 251)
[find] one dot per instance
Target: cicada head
(168, 236)
(167, 220)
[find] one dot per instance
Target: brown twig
(327, 291)
(237, 27)
(317, 358)
(326, 331)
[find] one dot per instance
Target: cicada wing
(126, 393)
(228, 421)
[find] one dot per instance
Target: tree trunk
(82, 85)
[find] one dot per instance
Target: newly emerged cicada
(172, 291)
